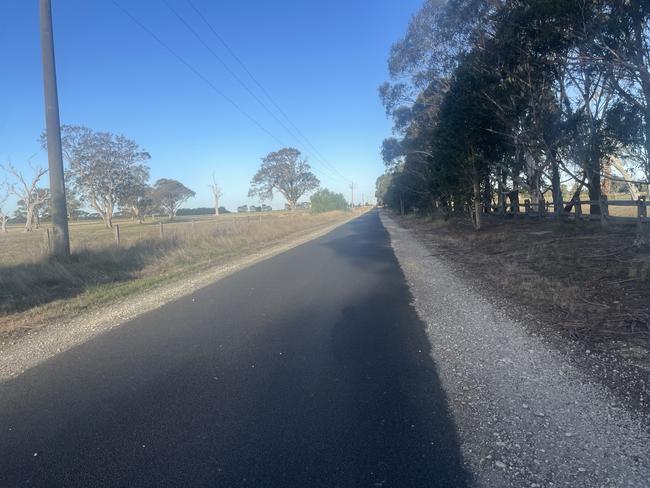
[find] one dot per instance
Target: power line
(197, 72)
(264, 91)
(245, 85)
(206, 80)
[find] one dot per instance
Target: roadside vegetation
(36, 288)
(495, 103)
(325, 200)
(127, 234)
(589, 282)
(516, 123)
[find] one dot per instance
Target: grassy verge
(34, 292)
(591, 283)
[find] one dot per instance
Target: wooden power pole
(61, 238)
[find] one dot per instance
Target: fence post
(527, 207)
(604, 210)
(117, 234)
(577, 205)
(162, 233)
(642, 212)
(49, 240)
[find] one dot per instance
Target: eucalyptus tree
(625, 50)
(217, 193)
(286, 172)
(104, 169)
(26, 189)
(169, 195)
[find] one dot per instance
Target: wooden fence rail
(547, 210)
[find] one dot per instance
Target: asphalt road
(310, 369)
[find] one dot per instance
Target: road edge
(39, 345)
(526, 416)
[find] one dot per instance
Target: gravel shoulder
(34, 347)
(526, 416)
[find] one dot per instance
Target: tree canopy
(493, 99)
(105, 170)
(286, 172)
(169, 195)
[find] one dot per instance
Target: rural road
(309, 369)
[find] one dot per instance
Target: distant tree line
(108, 174)
(492, 100)
(104, 172)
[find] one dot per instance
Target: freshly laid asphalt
(310, 369)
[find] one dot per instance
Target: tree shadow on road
(312, 396)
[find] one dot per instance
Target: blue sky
(320, 61)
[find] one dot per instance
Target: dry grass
(20, 247)
(591, 282)
(35, 287)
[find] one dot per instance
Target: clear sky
(321, 61)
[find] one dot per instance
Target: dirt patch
(586, 288)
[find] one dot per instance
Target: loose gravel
(526, 417)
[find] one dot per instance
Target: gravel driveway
(526, 417)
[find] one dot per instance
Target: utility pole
(352, 191)
(363, 199)
(61, 238)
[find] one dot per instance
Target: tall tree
(73, 204)
(26, 190)
(287, 172)
(139, 201)
(41, 209)
(216, 194)
(103, 168)
(625, 51)
(169, 195)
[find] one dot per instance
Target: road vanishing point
(309, 369)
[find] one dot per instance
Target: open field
(35, 288)
(24, 247)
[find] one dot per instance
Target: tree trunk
(487, 195)
(606, 180)
(556, 186)
(29, 218)
(632, 188)
(107, 217)
(594, 187)
(576, 194)
(476, 219)
(501, 197)
(4, 223)
(534, 180)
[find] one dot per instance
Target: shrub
(325, 200)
